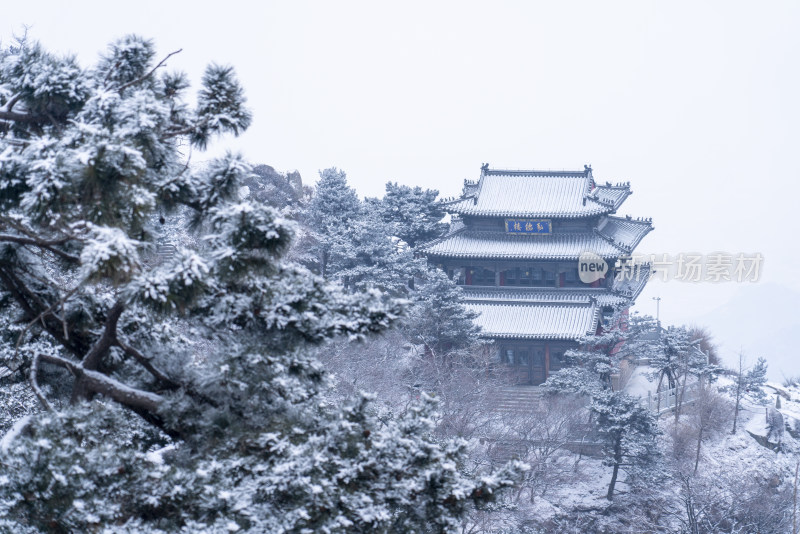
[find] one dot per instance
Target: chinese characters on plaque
(528, 226)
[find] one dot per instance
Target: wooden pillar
(546, 360)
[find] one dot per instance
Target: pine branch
(32, 305)
(48, 245)
(9, 106)
(107, 338)
(149, 74)
(33, 379)
(17, 117)
(145, 362)
(105, 385)
(42, 315)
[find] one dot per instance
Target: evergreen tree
(331, 215)
(368, 257)
(414, 213)
(275, 189)
(747, 384)
(352, 243)
(666, 349)
(438, 318)
(628, 431)
(590, 366)
(178, 395)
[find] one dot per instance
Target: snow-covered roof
(570, 194)
(624, 232)
(534, 320)
(465, 243)
(576, 295)
(630, 284)
(613, 237)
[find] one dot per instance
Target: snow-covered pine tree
(747, 384)
(178, 395)
(438, 318)
(590, 366)
(368, 256)
(351, 243)
(674, 354)
(330, 217)
(627, 429)
(667, 349)
(275, 189)
(414, 213)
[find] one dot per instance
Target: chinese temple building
(535, 252)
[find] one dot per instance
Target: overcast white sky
(695, 103)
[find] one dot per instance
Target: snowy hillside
(743, 480)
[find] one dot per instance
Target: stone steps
(516, 399)
(165, 252)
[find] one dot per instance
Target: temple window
(483, 277)
(571, 278)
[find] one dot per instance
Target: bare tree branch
(145, 362)
(9, 106)
(143, 78)
(33, 378)
(32, 305)
(107, 338)
(43, 244)
(111, 388)
(18, 117)
(41, 317)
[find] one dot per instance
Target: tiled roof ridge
(608, 205)
(551, 303)
(534, 173)
(463, 243)
(572, 236)
(544, 214)
(449, 201)
(618, 185)
(610, 241)
(629, 218)
(545, 292)
(603, 199)
(635, 292)
(548, 295)
(437, 240)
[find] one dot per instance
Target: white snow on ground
(722, 452)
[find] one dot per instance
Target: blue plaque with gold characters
(529, 226)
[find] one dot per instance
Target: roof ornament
(484, 168)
